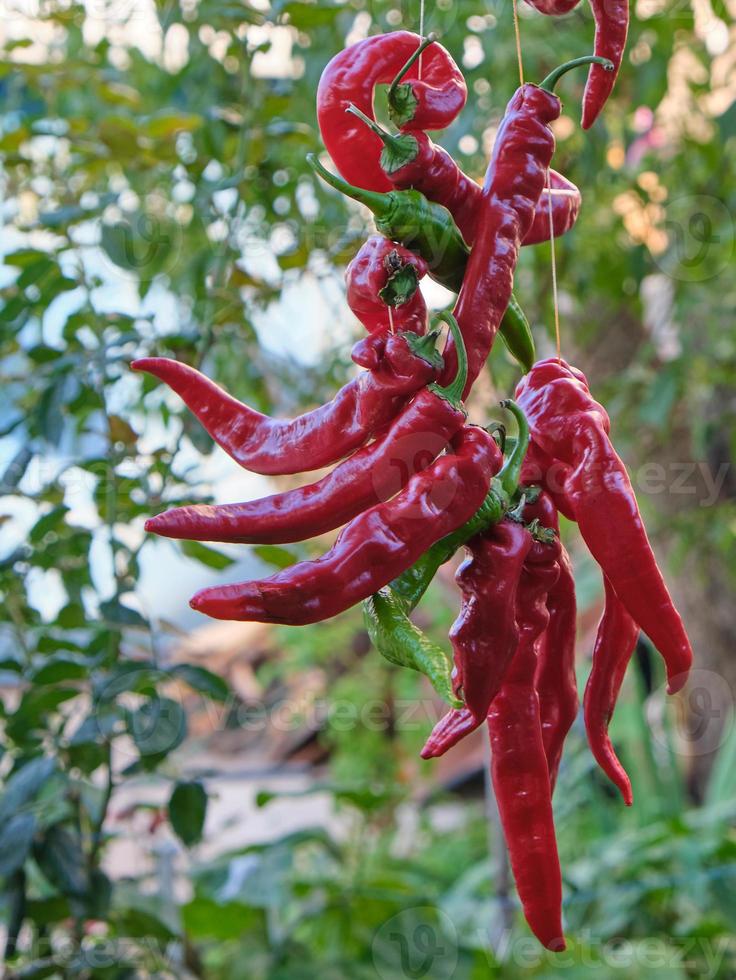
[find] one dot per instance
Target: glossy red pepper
(383, 292)
(351, 78)
(317, 438)
(485, 635)
(372, 549)
(614, 644)
(519, 764)
(611, 29)
(370, 476)
(413, 160)
(570, 426)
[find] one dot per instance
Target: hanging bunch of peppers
(414, 481)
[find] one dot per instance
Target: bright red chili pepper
(553, 8)
(373, 474)
(569, 425)
(611, 29)
(351, 78)
(413, 160)
(383, 293)
(555, 681)
(485, 635)
(318, 438)
(374, 548)
(614, 644)
(518, 762)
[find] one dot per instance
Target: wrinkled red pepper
(371, 550)
(614, 644)
(518, 761)
(611, 29)
(570, 426)
(351, 78)
(317, 438)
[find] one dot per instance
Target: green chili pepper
(404, 644)
(408, 217)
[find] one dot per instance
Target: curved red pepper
(569, 425)
(371, 550)
(518, 762)
(318, 438)
(351, 77)
(371, 475)
(383, 293)
(611, 29)
(614, 644)
(485, 635)
(553, 8)
(514, 182)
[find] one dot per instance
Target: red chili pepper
(611, 28)
(318, 438)
(351, 78)
(614, 645)
(485, 635)
(383, 293)
(553, 8)
(370, 476)
(413, 160)
(519, 764)
(371, 550)
(555, 681)
(570, 426)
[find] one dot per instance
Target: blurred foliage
(155, 200)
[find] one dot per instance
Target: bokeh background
(187, 799)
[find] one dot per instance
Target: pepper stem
(375, 201)
(454, 391)
(548, 84)
(429, 39)
(380, 132)
(510, 474)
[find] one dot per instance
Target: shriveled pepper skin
(352, 76)
(519, 763)
(434, 172)
(514, 182)
(614, 644)
(569, 425)
(318, 438)
(485, 635)
(371, 475)
(611, 29)
(372, 549)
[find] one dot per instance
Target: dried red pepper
(371, 550)
(614, 644)
(351, 78)
(570, 426)
(485, 636)
(611, 29)
(317, 438)
(553, 8)
(518, 761)
(371, 475)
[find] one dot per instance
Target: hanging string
(555, 298)
(391, 319)
(517, 32)
(421, 37)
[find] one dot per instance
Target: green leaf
(116, 614)
(202, 680)
(187, 811)
(168, 124)
(60, 669)
(24, 784)
(158, 726)
(61, 859)
(206, 555)
(273, 555)
(16, 837)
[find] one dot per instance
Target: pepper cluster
(414, 481)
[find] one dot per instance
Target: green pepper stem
(429, 39)
(454, 391)
(375, 201)
(510, 474)
(386, 138)
(548, 84)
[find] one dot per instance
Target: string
(517, 32)
(421, 37)
(555, 298)
(391, 319)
